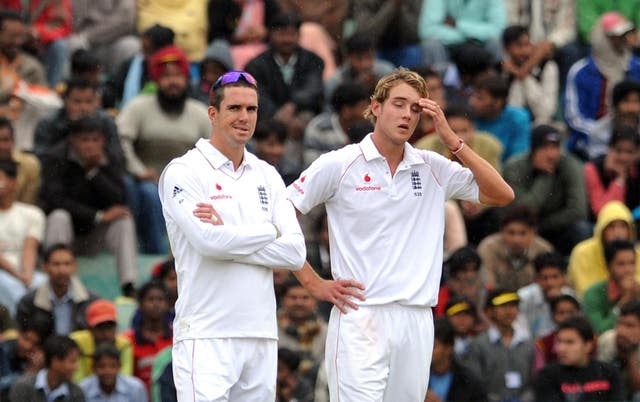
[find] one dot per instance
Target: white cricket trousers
(379, 354)
(225, 369)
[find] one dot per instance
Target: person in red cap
(102, 322)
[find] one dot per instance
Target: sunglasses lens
(232, 77)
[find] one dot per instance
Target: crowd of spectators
(539, 301)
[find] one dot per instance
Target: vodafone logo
(220, 196)
(302, 179)
(218, 187)
(367, 179)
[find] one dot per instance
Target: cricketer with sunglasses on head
(229, 224)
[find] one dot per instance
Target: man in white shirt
(229, 223)
(385, 207)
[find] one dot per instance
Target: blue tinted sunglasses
(233, 77)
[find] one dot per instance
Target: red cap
(101, 311)
(164, 56)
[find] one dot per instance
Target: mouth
(404, 127)
(242, 129)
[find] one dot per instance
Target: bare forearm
(493, 189)
(29, 256)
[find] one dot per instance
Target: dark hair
(460, 111)
(165, 268)
(471, 59)
(9, 15)
(58, 347)
(84, 61)
(290, 282)
(149, 286)
(624, 132)
(40, 326)
(462, 258)
(427, 72)
(631, 308)
(581, 325)
(106, 350)
(160, 36)
(6, 123)
(86, 124)
(216, 97)
(494, 84)
(266, 129)
(348, 94)
(289, 358)
(622, 89)
(359, 43)
(77, 83)
(9, 167)
(443, 331)
(553, 303)
(56, 247)
(612, 248)
(512, 33)
(285, 20)
(549, 259)
(521, 213)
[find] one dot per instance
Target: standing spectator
(533, 87)
(509, 124)
(507, 256)
(577, 376)
(393, 26)
(28, 175)
(62, 301)
(270, 142)
(14, 61)
(83, 194)
(562, 307)
(552, 184)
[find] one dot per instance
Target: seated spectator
(102, 322)
(471, 63)
(614, 176)
(86, 65)
(22, 355)
(163, 388)
(463, 315)
(587, 263)
(445, 24)
(61, 302)
(437, 93)
(52, 383)
(603, 300)
(290, 385)
(109, 383)
(620, 347)
(590, 80)
(28, 175)
(150, 331)
(22, 233)
(535, 312)
(360, 66)
(328, 131)
(155, 128)
(80, 99)
(449, 380)
(509, 124)
(503, 355)
(507, 256)
(269, 143)
(576, 375)
(552, 184)
(216, 62)
(562, 307)
(531, 86)
(15, 62)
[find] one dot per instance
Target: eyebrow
(402, 98)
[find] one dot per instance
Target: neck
(108, 388)
(152, 324)
(441, 367)
(6, 202)
(53, 380)
(60, 290)
(232, 152)
(505, 330)
(392, 152)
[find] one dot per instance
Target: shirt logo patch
(367, 186)
(176, 190)
(302, 179)
(262, 196)
(367, 178)
(416, 183)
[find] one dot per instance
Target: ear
(376, 108)
(213, 113)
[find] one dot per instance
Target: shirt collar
(519, 335)
(280, 61)
(67, 297)
(217, 159)
(41, 383)
(94, 391)
(370, 152)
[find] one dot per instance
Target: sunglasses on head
(232, 77)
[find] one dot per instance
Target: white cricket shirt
(385, 232)
(225, 281)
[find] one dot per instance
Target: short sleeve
(317, 184)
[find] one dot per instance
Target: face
(398, 116)
(465, 282)
(12, 37)
(284, 40)
(106, 369)
(170, 281)
(27, 341)
(80, 102)
(441, 353)
(572, 350)
(517, 237)
(104, 332)
(354, 114)
(464, 128)
(67, 366)
(235, 122)
(504, 315)
(623, 265)
(211, 71)
(60, 267)
(628, 332)
(520, 50)
(298, 303)
(564, 310)
(623, 153)
(172, 82)
(88, 146)
(630, 104)
(436, 91)
(154, 305)
(547, 155)
(551, 280)
(616, 230)
(484, 105)
(270, 149)
(7, 185)
(463, 322)
(361, 62)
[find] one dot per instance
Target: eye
(416, 108)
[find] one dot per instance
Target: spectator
(503, 355)
(509, 124)
(467, 323)
(576, 376)
(620, 347)
(14, 61)
(393, 26)
(531, 86)
(552, 184)
(217, 61)
(60, 303)
(84, 194)
(163, 389)
(151, 332)
(269, 142)
(507, 256)
(154, 128)
(587, 261)
(445, 24)
(603, 300)
(102, 323)
(589, 12)
(451, 381)
(28, 166)
(328, 131)
(86, 66)
(54, 381)
(614, 176)
(436, 90)
(535, 312)
(22, 233)
(109, 383)
(562, 307)
(471, 63)
(106, 28)
(290, 386)
(590, 80)
(166, 273)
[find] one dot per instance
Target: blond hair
(384, 85)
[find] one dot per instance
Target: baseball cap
(503, 298)
(101, 311)
(457, 308)
(544, 134)
(615, 24)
